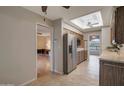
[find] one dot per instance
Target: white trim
(52, 49)
(58, 72)
(27, 82)
(36, 52)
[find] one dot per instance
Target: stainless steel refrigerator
(69, 53)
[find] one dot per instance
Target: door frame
(89, 42)
(52, 47)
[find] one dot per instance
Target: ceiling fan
(44, 8)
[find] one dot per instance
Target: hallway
(43, 65)
(86, 74)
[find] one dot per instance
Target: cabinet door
(108, 74)
(79, 57)
(85, 54)
(119, 25)
(120, 75)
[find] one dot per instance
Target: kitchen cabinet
(81, 56)
(111, 73)
(78, 57)
(85, 54)
(119, 25)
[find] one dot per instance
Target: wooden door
(119, 25)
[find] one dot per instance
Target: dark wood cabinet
(111, 73)
(119, 25)
(121, 74)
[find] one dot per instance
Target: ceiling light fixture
(44, 10)
(89, 21)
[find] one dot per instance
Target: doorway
(94, 45)
(44, 50)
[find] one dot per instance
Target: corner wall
(106, 37)
(58, 46)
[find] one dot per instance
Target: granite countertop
(112, 56)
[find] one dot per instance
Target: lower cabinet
(85, 54)
(81, 56)
(111, 73)
(78, 57)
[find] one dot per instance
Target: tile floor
(86, 74)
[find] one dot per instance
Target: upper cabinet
(119, 25)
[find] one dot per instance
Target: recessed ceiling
(89, 21)
(56, 12)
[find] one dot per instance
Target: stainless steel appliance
(69, 53)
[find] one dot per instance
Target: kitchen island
(111, 69)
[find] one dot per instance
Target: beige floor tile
(86, 74)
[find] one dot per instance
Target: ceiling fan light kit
(67, 7)
(44, 9)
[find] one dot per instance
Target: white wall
(18, 45)
(107, 13)
(106, 37)
(59, 25)
(58, 46)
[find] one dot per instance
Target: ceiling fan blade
(67, 7)
(44, 8)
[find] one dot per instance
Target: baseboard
(27, 82)
(58, 72)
